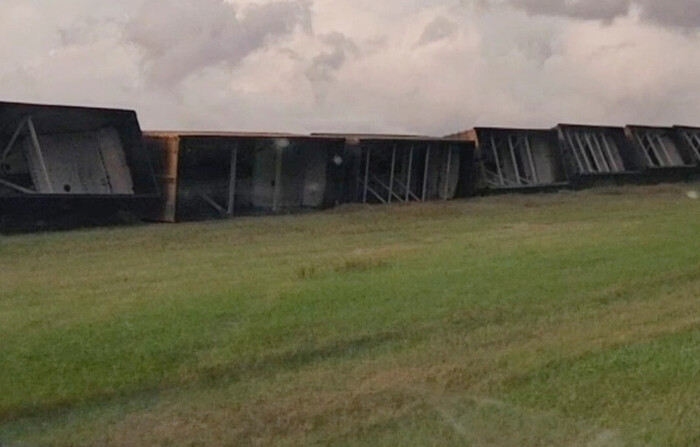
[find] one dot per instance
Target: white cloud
(419, 66)
(180, 37)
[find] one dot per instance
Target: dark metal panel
(73, 151)
(409, 169)
(220, 175)
(63, 163)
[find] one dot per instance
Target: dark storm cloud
(675, 14)
(581, 9)
(181, 37)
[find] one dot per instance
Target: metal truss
(595, 152)
(42, 175)
(513, 163)
(693, 140)
(402, 182)
(658, 150)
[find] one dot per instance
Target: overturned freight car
(217, 175)
(597, 155)
(517, 159)
(665, 153)
(396, 168)
(690, 136)
(68, 163)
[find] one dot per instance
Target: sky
(397, 66)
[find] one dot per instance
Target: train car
(389, 169)
(517, 159)
(61, 162)
(206, 175)
(690, 137)
(665, 153)
(598, 155)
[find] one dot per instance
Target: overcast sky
(408, 66)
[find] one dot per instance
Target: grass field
(570, 319)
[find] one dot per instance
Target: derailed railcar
(517, 159)
(397, 168)
(218, 175)
(598, 155)
(665, 154)
(690, 137)
(61, 163)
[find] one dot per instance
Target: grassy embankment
(566, 319)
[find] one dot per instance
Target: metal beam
(607, 156)
(426, 173)
(645, 149)
(597, 154)
(492, 178)
(17, 188)
(494, 148)
(13, 140)
(375, 194)
(366, 183)
(694, 143)
(665, 149)
(39, 156)
(653, 149)
(385, 186)
(448, 171)
(170, 151)
(410, 174)
(515, 159)
(232, 181)
(278, 179)
(409, 193)
(391, 176)
(577, 157)
(535, 177)
(606, 144)
(582, 148)
(696, 147)
(213, 204)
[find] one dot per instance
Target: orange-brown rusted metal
(169, 178)
(166, 154)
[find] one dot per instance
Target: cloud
(676, 13)
(684, 14)
(439, 29)
(181, 37)
(397, 66)
(606, 10)
(324, 65)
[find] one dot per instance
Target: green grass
(570, 319)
